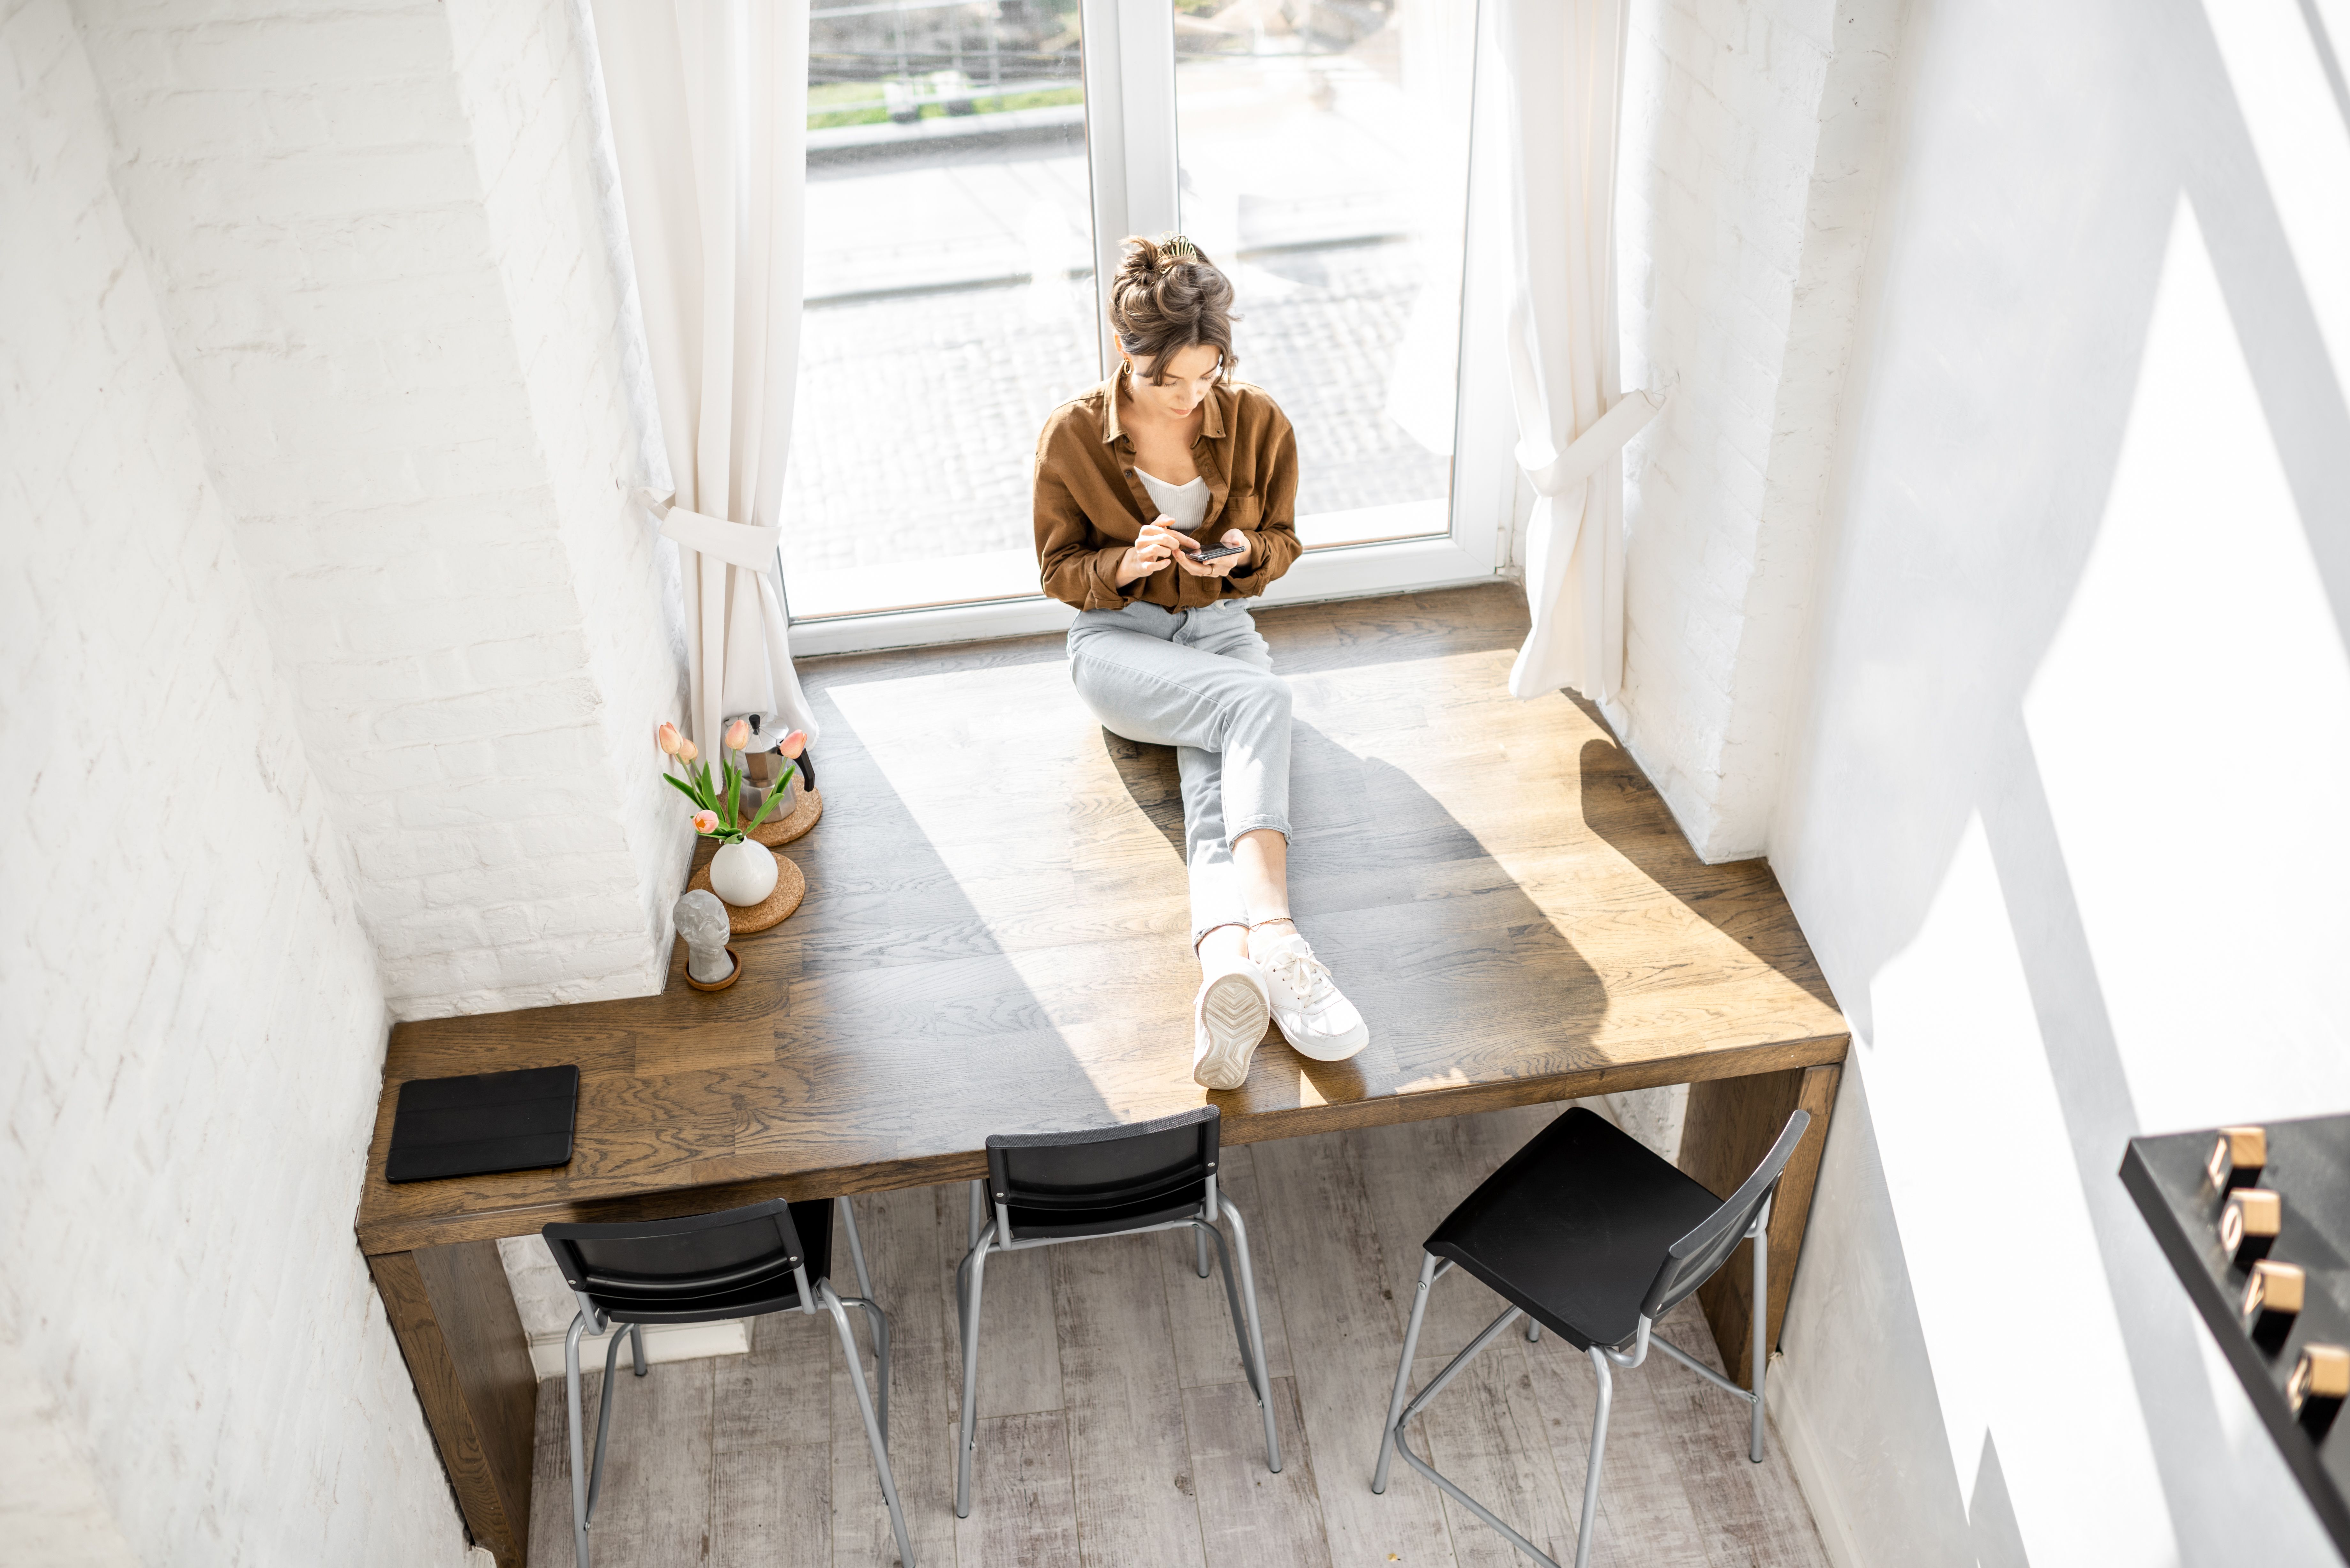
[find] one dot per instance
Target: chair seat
(1574, 1229)
(777, 1292)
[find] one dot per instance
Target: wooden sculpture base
(772, 910)
(732, 975)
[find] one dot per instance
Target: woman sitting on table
(1133, 482)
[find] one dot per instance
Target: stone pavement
(918, 413)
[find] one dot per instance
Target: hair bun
(1147, 259)
(1142, 261)
(1166, 294)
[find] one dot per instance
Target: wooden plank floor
(1116, 1430)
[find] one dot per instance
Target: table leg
(454, 1315)
(1730, 1126)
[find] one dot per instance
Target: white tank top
(1185, 506)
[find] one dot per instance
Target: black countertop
(2309, 1166)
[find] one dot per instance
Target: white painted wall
(1753, 141)
(2064, 825)
(195, 1365)
(1751, 137)
(378, 240)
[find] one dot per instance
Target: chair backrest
(735, 1255)
(1099, 1182)
(1691, 1261)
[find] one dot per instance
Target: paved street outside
(918, 415)
(952, 304)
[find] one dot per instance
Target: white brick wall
(194, 1026)
(527, 74)
(376, 237)
(1751, 137)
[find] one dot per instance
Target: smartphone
(1220, 552)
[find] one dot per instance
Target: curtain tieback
(1554, 473)
(737, 543)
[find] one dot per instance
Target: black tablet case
(489, 1122)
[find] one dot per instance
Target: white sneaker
(1227, 1020)
(1316, 1019)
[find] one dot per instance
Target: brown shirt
(1091, 506)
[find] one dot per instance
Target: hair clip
(1177, 248)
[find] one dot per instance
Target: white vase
(742, 874)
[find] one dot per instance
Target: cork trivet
(784, 829)
(772, 910)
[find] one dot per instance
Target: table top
(995, 937)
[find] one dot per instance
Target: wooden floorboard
(1022, 1509)
(912, 1240)
(771, 1453)
(1249, 1517)
(1152, 1450)
(1206, 1349)
(660, 1457)
(1487, 1433)
(1129, 1458)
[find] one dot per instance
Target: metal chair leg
(578, 1439)
(1586, 1527)
(1534, 1332)
(604, 1403)
(586, 1478)
(975, 1264)
(1759, 1367)
(855, 1249)
(1256, 1333)
(1492, 1331)
(1199, 1265)
(1428, 1273)
(637, 1348)
(879, 1323)
(873, 1434)
(978, 1211)
(1231, 1300)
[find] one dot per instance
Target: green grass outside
(861, 103)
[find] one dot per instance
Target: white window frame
(1131, 141)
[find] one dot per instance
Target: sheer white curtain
(709, 107)
(1563, 69)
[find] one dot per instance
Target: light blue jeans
(1202, 682)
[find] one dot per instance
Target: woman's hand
(1152, 548)
(1223, 569)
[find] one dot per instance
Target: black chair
(1050, 1187)
(708, 1268)
(1589, 1233)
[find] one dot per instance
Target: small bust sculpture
(702, 921)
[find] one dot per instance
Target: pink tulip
(685, 751)
(738, 734)
(793, 744)
(705, 821)
(669, 740)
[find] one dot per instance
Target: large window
(970, 166)
(1329, 158)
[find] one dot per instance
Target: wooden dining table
(994, 938)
